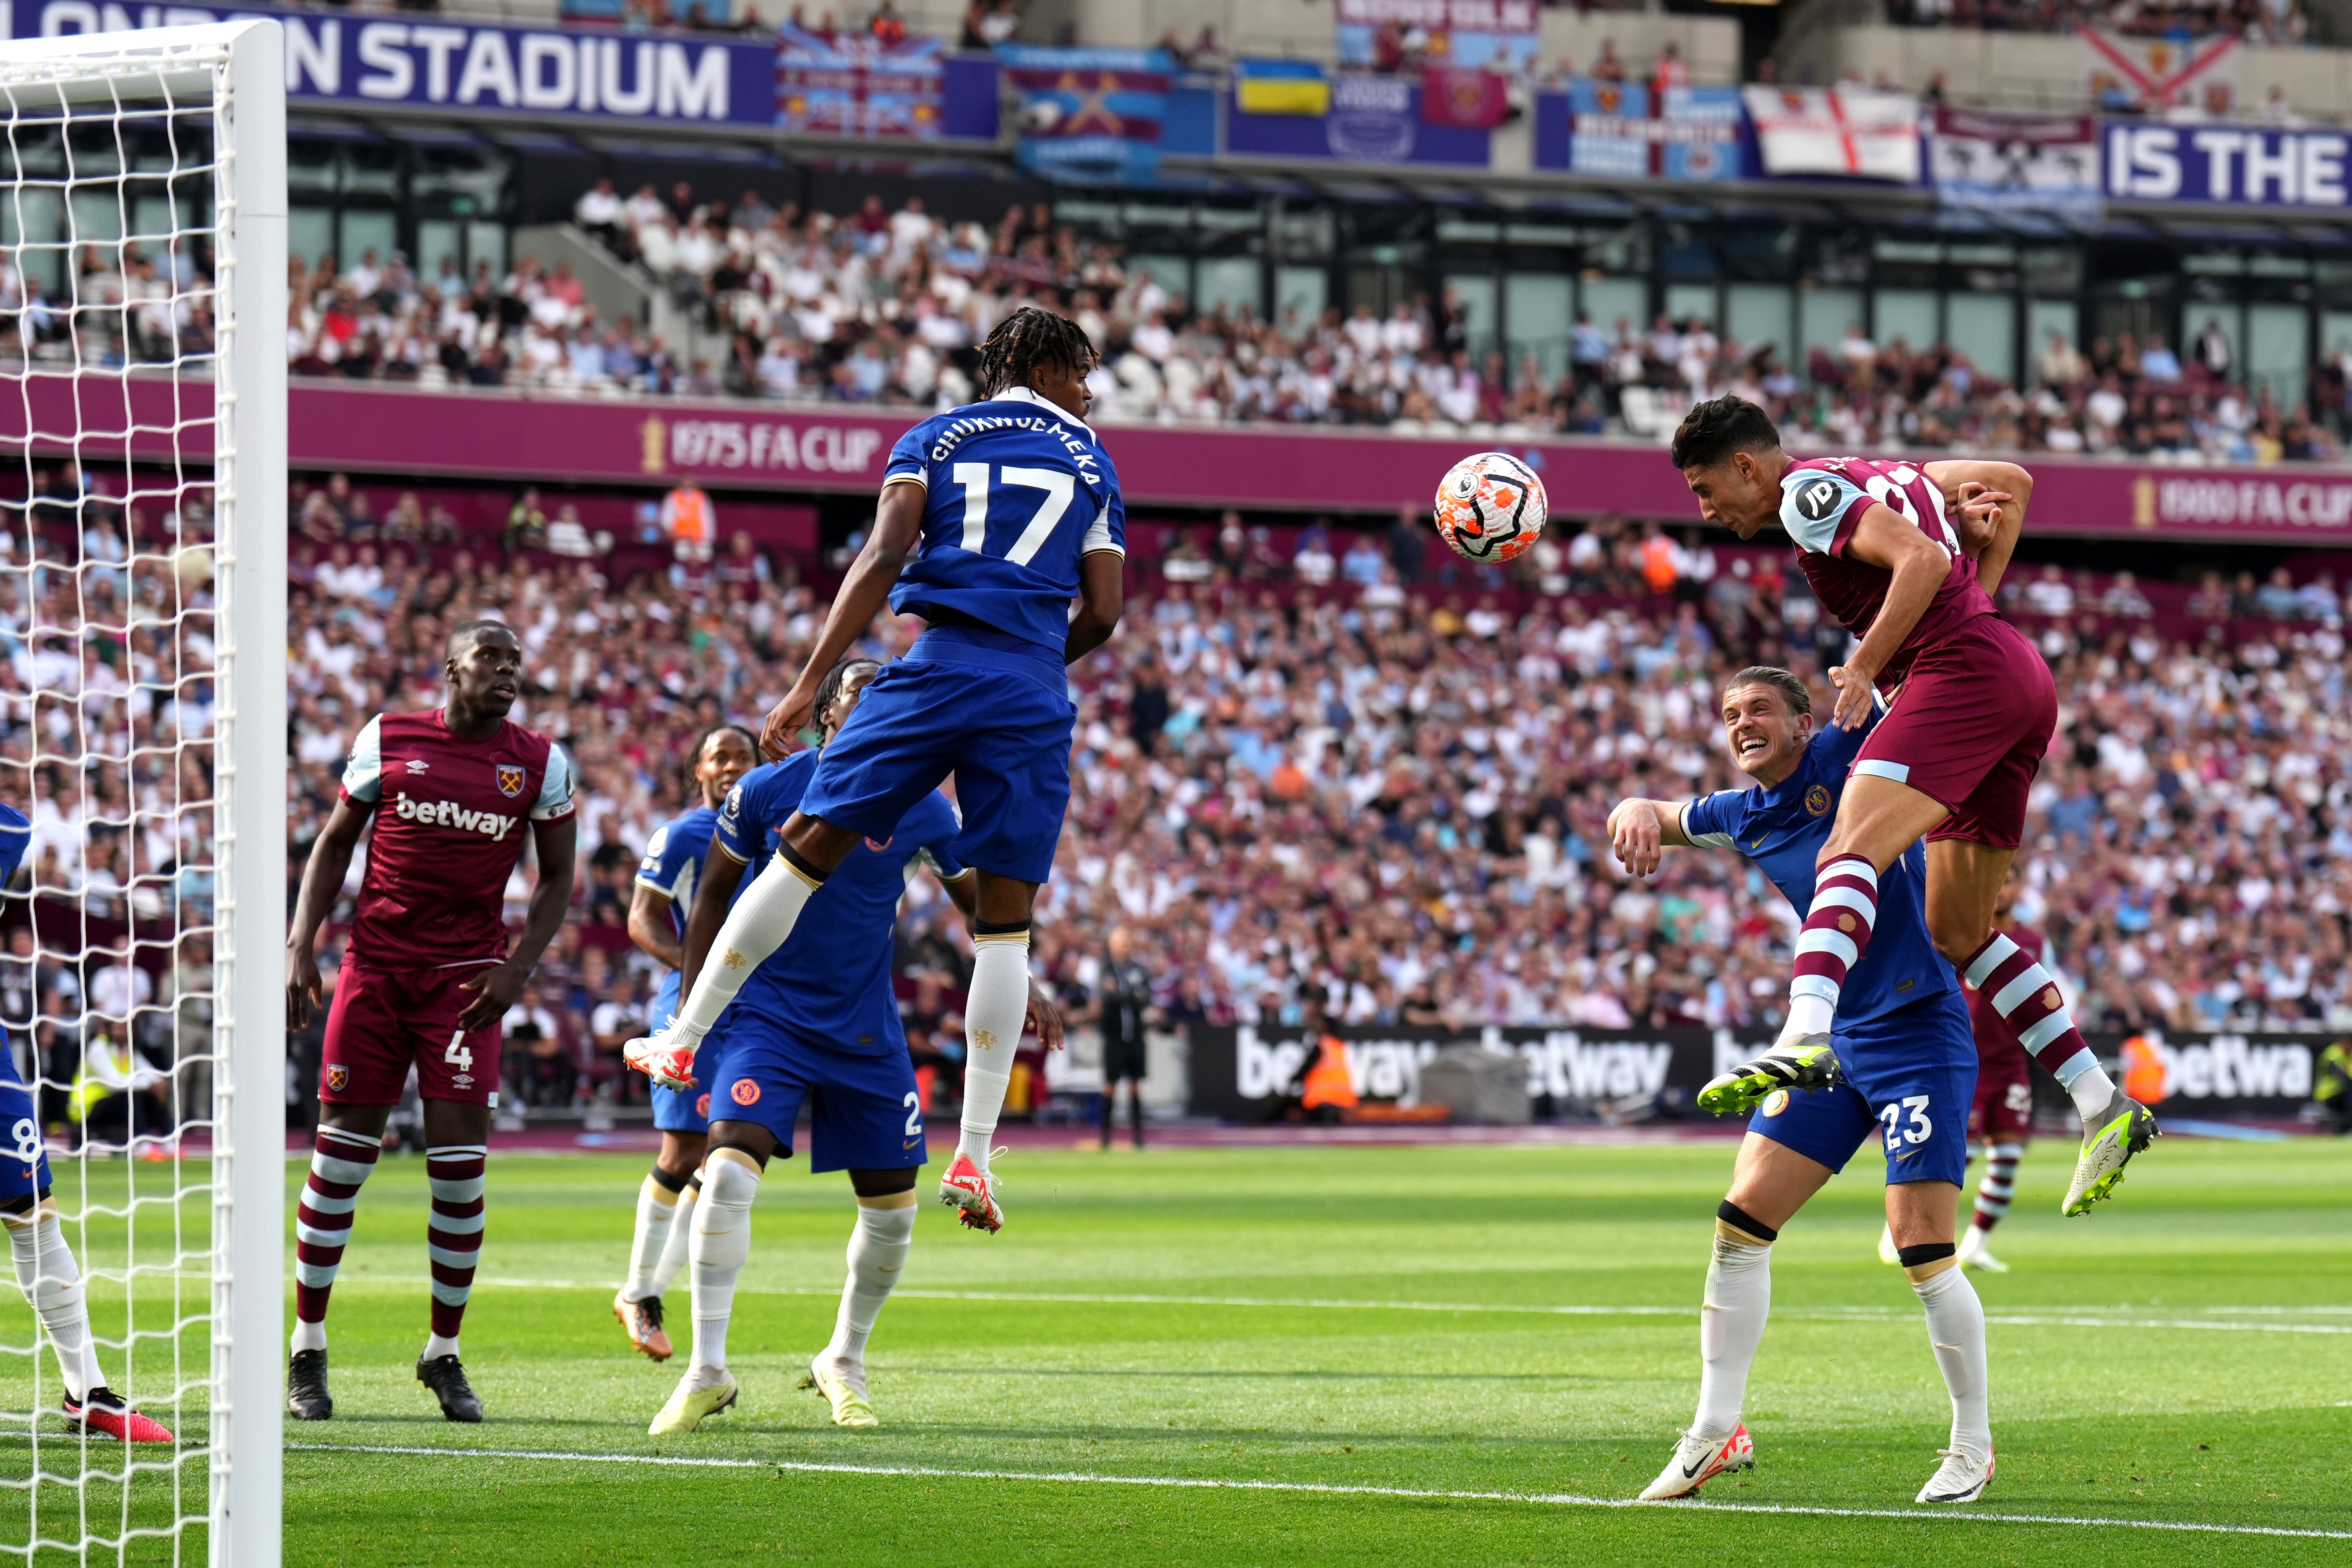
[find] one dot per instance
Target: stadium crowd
(1328, 770)
(883, 307)
(2259, 22)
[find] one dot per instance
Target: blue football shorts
(864, 1114)
(1909, 1077)
(993, 711)
(24, 1157)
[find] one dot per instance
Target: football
(1490, 507)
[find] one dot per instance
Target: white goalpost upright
(143, 606)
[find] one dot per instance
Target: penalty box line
(1323, 1488)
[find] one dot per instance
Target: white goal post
(142, 477)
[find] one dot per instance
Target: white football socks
(2090, 1088)
(992, 1016)
(761, 919)
(877, 1251)
(657, 1211)
(437, 1346)
(1955, 1328)
(681, 1234)
(51, 1281)
(1730, 1326)
(722, 1240)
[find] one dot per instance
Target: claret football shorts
(382, 1022)
(1968, 728)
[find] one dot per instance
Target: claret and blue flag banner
(854, 84)
(1091, 114)
(1615, 128)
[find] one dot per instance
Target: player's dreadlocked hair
(1030, 339)
(829, 688)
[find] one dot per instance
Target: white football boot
(1976, 1254)
(1962, 1477)
(1698, 1460)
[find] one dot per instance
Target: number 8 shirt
(1973, 705)
(1017, 492)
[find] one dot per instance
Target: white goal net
(143, 476)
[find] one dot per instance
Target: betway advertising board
(413, 60)
(1244, 1073)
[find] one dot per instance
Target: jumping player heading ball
(993, 518)
(1907, 556)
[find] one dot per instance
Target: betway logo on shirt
(449, 814)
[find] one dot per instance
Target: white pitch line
(1555, 1500)
(2060, 1316)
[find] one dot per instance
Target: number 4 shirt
(1017, 491)
(1822, 503)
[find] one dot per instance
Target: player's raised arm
(1917, 566)
(1639, 829)
(897, 523)
(1987, 500)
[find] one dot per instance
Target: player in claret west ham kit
(426, 978)
(1907, 556)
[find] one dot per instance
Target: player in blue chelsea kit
(657, 911)
(46, 1270)
(1015, 508)
(817, 1023)
(1906, 1065)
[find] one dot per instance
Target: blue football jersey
(1016, 491)
(673, 859)
(831, 980)
(15, 838)
(1782, 829)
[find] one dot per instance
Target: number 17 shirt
(1017, 491)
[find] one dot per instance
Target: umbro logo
(417, 765)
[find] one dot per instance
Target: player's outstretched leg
(342, 1159)
(993, 1014)
(763, 915)
(2114, 1126)
(453, 1243)
(1956, 1329)
(51, 1281)
(878, 1253)
(1993, 1196)
(715, 1256)
(1730, 1326)
(665, 1206)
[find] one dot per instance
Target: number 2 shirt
(1822, 503)
(1017, 491)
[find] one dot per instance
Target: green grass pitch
(1417, 1324)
